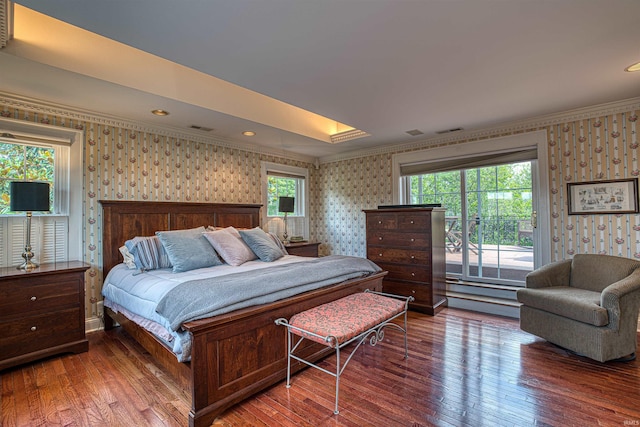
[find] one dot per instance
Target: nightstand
(303, 249)
(41, 312)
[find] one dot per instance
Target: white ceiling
(382, 66)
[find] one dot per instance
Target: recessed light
(249, 133)
(159, 112)
(633, 67)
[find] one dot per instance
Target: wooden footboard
(235, 355)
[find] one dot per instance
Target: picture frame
(603, 197)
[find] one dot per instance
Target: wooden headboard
(123, 220)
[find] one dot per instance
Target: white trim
(537, 139)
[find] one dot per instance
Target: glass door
(489, 232)
(498, 228)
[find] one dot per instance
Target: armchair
(588, 305)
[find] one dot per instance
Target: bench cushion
(577, 304)
(347, 317)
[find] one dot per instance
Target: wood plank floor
(464, 369)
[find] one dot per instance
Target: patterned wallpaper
(124, 163)
(600, 148)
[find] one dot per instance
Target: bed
(233, 355)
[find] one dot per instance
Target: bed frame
(236, 354)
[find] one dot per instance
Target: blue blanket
(202, 298)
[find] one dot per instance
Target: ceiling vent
(415, 132)
(202, 128)
(449, 131)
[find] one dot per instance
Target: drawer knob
(411, 221)
(413, 274)
(379, 255)
(33, 328)
(380, 238)
(34, 298)
(379, 222)
(413, 240)
(412, 257)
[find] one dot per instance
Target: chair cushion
(574, 303)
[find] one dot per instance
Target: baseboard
(95, 323)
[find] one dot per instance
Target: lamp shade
(28, 196)
(285, 204)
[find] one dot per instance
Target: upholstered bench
(348, 320)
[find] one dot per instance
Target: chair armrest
(613, 293)
(553, 274)
(622, 301)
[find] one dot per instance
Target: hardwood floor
(464, 369)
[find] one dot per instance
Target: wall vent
(415, 132)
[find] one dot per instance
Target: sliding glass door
(489, 232)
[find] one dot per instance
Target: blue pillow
(261, 244)
(148, 253)
(188, 249)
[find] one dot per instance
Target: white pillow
(230, 246)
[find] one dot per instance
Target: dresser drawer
(34, 333)
(18, 299)
(403, 221)
(395, 239)
(380, 254)
(407, 272)
(421, 293)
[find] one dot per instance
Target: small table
(309, 249)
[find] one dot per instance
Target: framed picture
(603, 197)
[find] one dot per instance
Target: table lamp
(28, 197)
(285, 204)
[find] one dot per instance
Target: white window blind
(49, 240)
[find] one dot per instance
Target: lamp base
(28, 265)
(27, 254)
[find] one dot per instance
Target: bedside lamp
(28, 197)
(285, 204)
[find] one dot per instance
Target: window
(279, 185)
(24, 162)
(485, 208)
(35, 152)
(290, 181)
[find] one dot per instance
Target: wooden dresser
(41, 312)
(409, 244)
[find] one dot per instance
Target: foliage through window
(499, 195)
(22, 162)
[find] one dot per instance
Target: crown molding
(39, 106)
(519, 126)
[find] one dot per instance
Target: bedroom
(340, 184)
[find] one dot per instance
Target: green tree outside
(500, 196)
(19, 162)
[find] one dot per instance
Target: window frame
(493, 146)
(68, 175)
(301, 197)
